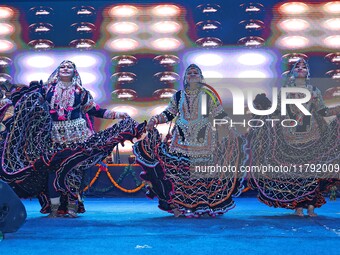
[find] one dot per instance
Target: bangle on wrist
(115, 115)
(110, 114)
(155, 120)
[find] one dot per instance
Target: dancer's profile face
(193, 75)
(300, 70)
(66, 71)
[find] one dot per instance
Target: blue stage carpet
(137, 226)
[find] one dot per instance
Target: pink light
(166, 44)
(124, 44)
(39, 61)
(6, 46)
(332, 41)
(159, 109)
(6, 12)
(294, 24)
(6, 29)
(294, 42)
(84, 60)
(123, 27)
(332, 7)
(166, 10)
(293, 8)
(332, 24)
(123, 11)
(166, 27)
(87, 77)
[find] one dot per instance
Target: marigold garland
(105, 169)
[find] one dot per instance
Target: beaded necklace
(63, 99)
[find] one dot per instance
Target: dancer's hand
(151, 124)
(121, 115)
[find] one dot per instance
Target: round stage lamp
(124, 60)
(166, 60)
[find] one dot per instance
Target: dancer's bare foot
(310, 211)
(299, 212)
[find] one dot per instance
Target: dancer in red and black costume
(49, 141)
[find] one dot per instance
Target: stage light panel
(332, 7)
(39, 61)
(42, 11)
(5, 77)
(332, 24)
(167, 77)
(252, 59)
(241, 63)
(6, 13)
(6, 29)
(32, 66)
(41, 28)
(293, 42)
(82, 44)
(166, 10)
(167, 60)
(209, 25)
(84, 60)
(5, 62)
(123, 11)
(209, 8)
(252, 41)
(123, 77)
(84, 11)
(6, 46)
(333, 58)
(123, 27)
(166, 44)
(209, 42)
(124, 94)
(164, 93)
(123, 44)
(166, 27)
(294, 25)
(332, 41)
(124, 60)
(87, 78)
(41, 44)
(208, 59)
(294, 8)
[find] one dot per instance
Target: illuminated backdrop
(132, 55)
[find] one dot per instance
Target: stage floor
(137, 226)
